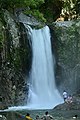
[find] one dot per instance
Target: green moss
(39, 16)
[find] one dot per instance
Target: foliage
(71, 9)
(36, 14)
(30, 6)
(77, 7)
(12, 4)
(44, 10)
(51, 9)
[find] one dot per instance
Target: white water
(43, 93)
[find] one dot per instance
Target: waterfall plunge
(43, 93)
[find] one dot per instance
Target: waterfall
(43, 93)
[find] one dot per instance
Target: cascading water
(43, 93)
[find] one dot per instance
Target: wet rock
(2, 117)
(3, 106)
(75, 105)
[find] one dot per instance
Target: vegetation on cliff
(44, 10)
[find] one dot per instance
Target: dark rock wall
(15, 56)
(67, 54)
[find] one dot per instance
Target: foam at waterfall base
(31, 107)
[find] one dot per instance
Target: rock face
(16, 58)
(67, 54)
(73, 105)
(30, 20)
(2, 117)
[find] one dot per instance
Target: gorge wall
(16, 58)
(15, 55)
(67, 53)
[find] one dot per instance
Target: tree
(77, 7)
(12, 4)
(51, 9)
(71, 9)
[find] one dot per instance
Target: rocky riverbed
(65, 111)
(57, 114)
